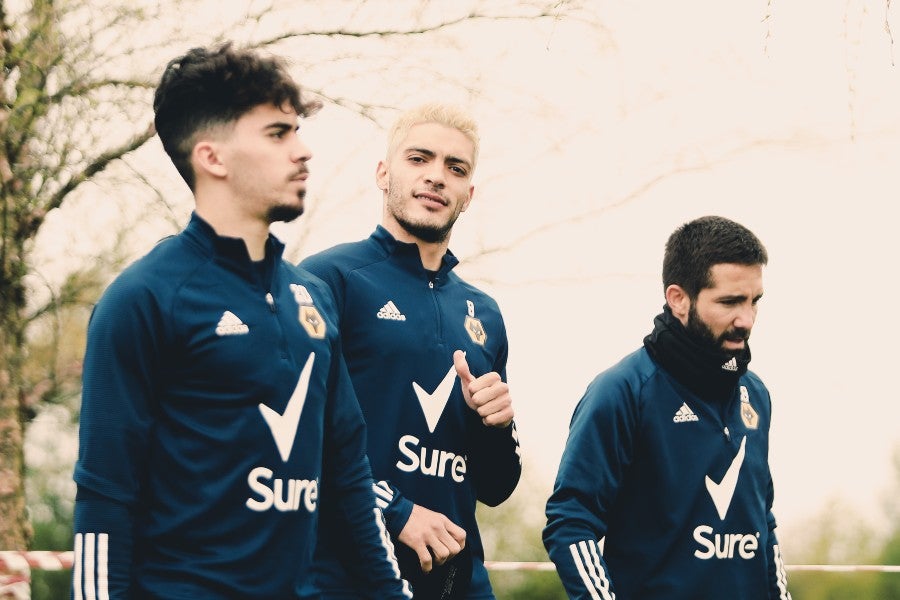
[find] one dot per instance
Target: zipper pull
(270, 300)
(727, 434)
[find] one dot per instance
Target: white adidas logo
(731, 365)
(390, 312)
(685, 414)
(230, 324)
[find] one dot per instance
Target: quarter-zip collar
(408, 256)
(229, 251)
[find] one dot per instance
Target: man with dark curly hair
(215, 394)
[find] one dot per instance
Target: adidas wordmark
(230, 324)
(685, 414)
(390, 312)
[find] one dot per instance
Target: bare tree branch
(639, 191)
(171, 216)
(98, 165)
(887, 27)
(82, 88)
(363, 109)
(396, 32)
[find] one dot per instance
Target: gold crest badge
(475, 330)
(748, 414)
(473, 326)
(312, 322)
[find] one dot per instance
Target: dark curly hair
(695, 247)
(208, 87)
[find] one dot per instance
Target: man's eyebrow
(424, 151)
(732, 297)
(451, 159)
(457, 160)
(282, 126)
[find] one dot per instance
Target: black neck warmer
(709, 372)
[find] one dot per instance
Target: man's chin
(734, 348)
(284, 214)
(426, 232)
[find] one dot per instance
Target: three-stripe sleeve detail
(388, 546)
(586, 557)
(90, 571)
(383, 494)
(780, 573)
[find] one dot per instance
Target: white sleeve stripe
(389, 551)
(90, 592)
(90, 567)
(780, 574)
(381, 488)
(576, 557)
(103, 566)
(587, 561)
(76, 569)
(380, 503)
(596, 568)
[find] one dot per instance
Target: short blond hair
(443, 114)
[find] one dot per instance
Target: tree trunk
(15, 529)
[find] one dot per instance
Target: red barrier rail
(55, 561)
(15, 569)
(548, 566)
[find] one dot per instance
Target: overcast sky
(603, 140)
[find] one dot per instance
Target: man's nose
(300, 151)
(434, 173)
(745, 317)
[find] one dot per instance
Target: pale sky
(604, 137)
(671, 112)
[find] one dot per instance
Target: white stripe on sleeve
(90, 592)
(76, 569)
(90, 567)
(383, 494)
(780, 574)
(587, 561)
(103, 566)
(389, 551)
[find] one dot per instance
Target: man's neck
(431, 253)
(228, 222)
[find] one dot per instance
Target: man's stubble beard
(427, 232)
(284, 213)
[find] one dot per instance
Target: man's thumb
(462, 367)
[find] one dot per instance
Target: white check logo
(433, 404)
(722, 492)
(284, 426)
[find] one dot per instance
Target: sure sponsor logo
(284, 495)
(434, 462)
(433, 403)
(725, 545)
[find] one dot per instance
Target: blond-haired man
(427, 356)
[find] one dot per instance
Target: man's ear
(469, 199)
(381, 176)
(206, 158)
(679, 302)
